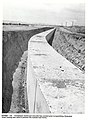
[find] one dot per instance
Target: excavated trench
(14, 45)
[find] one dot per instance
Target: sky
(54, 12)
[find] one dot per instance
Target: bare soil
(70, 45)
(19, 102)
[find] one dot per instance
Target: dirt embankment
(19, 103)
(14, 45)
(71, 46)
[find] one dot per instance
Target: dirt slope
(19, 103)
(71, 46)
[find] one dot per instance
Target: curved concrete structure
(53, 83)
(36, 100)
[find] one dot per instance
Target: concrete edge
(36, 100)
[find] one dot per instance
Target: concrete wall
(36, 100)
(50, 37)
(54, 76)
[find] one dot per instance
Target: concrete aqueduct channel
(50, 83)
(60, 81)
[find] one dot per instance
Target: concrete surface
(61, 83)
